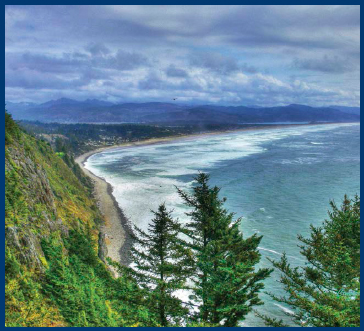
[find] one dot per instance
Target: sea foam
(145, 176)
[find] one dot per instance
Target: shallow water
(279, 180)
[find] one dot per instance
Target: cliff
(54, 276)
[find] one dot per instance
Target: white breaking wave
(280, 254)
(286, 310)
(270, 250)
(147, 175)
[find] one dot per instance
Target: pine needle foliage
(161, 265)
(85, 292)
(326, 291)
(226, 283)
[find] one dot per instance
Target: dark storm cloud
(97, 49)
(45, 62)
(68, 62)
(326, 64)
(215, 62)
(68, 70)
(122, 61)
(74, 24)
(291, 26)
(248, 68)
(29, 79)
(220, 64)
(151, 82)
(173, 71)
(266, 26)
(205, 53)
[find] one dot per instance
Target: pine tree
(226, 284)
(326, 291)
(11, 129)
(161, 266)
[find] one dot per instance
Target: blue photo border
(3, 134)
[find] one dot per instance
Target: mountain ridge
(66, 110)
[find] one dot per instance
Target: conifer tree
(326, 291)
(161, 266)
(226, 284)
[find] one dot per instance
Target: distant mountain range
(348, 110)
(98, 111)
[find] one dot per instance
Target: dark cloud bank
(266, 55)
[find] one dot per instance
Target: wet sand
(117, 227)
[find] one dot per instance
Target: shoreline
(153, 141)
(117, 228)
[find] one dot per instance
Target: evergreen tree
(161, 266)
(326, 291)
(11, 129)
(226, 284)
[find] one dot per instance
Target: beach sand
(117, 227)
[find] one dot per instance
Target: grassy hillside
(54, 276)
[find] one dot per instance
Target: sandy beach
(117, 227)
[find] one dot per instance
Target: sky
(226, 55)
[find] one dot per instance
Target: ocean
(278, 180)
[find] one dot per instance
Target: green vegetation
(85, 291)
(80, 138)
(11, 129)
(226, 284)
(41, 196)
(162, 264)
(326, 291)
(54, 276)
(63, 151)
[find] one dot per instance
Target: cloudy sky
(230, 55)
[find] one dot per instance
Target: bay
(279, 180)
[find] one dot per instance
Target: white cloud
(225, 54)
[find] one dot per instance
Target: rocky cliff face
(43, 199)
(39, 217)
(36, 185)
(35, 190)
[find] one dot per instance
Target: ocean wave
(284, 309)
(144, 176)
(300, 161)
(270, 250)
(280, 254)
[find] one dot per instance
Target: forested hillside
(81, 138)
(54, 276)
